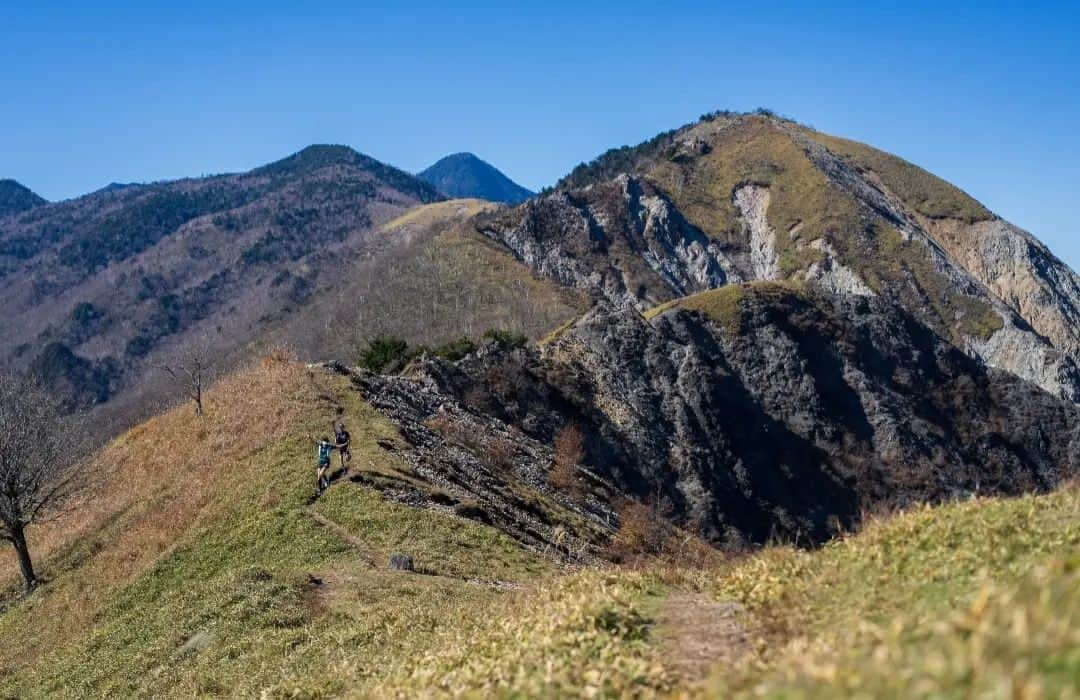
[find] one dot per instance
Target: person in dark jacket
(341, 440)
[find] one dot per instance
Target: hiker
(323, 448)
(342, 439)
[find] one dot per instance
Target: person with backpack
(341, 440)
(323, 449)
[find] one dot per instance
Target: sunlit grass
(980, 598)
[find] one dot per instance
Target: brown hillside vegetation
(431, 279)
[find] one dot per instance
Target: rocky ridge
(753, 411)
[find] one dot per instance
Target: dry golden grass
(922, 191)
(150, 485)
(431, 214)
(969, 599)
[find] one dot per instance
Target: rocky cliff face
(734, 198)
(753, 411)
(621, 240)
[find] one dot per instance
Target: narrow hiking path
(697, 634)
(379, 560)
(371, 555)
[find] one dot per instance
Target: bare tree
(192, 369)
(37, 457)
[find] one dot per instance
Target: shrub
(508, 340)
(500, 452)
(569, 450)
(642, 532)
(455, 349)
(85, 312)
(383, 352)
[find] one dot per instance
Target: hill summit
(465, 175)
(16, 197)
(744, 197)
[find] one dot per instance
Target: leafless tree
(192, 369)
(37, 458)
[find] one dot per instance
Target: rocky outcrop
(753, 204)
(832, 275)
(1036, 296)
(622, 240)
(478, 466)
(770, 413)
(1021, 272)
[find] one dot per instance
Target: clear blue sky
(987, 97)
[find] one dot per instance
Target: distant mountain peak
(466, 175)
(16, 197)
(317, 156)
(322, 155)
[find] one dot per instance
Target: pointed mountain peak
(466, 175)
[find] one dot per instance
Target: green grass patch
(260, 596)
(439, 544)
(725, 305)
(585, 635)
(969, 599)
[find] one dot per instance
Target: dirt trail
(377, 559)
(697, 634)
(368, 553)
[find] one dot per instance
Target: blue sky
(984, 96)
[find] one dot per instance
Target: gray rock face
(1037, 296)
(753, 204)
(621, 240)
(1025, 275)
(787, 415)
(481, 465)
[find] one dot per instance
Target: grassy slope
(430, 279)
(193, 577)
(972, 599)
(922, 191)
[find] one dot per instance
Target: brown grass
(922, 191)
(152, 484)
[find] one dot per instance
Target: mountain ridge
(16, 198)
(117, 279)
(791, 384)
